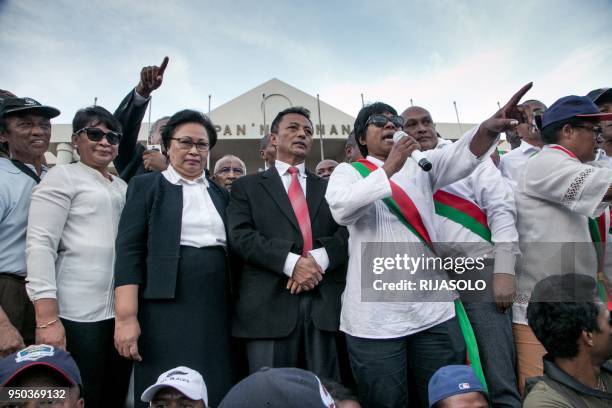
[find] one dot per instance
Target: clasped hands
(306, 275)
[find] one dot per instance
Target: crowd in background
(238, 289)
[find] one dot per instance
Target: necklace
(600, 385)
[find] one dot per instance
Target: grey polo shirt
(15, 193)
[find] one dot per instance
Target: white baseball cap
(183, 379)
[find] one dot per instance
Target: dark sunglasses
(381, 120)
(95, 135)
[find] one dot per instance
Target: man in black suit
(294, 255)
(133, 158)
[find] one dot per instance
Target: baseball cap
(600, 95)
(39, 355)
(452, 380)
(279, 387)
(573, 106)
(28, 105)
(183, 379)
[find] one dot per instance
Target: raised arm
(131, 111)
(507, 118)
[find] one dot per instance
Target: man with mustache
(25, 125)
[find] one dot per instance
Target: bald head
(325, 168)
(419, 124)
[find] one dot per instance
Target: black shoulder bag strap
(25, 169)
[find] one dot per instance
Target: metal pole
(95, 100)
(411, 104)
(498, 105)
(362, 103)
(208, 154)
(263, 96)
(458, 121)
(320, 128)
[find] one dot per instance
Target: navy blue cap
(452, 380)
(573, 106)
(26, 105)
(39, 355)
(600, 95)
(279, 387)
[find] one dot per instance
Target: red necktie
(300, 208)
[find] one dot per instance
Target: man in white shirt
(391, 341)
(512, 163)
(26, 125)
(556, 195)
(603, 99)
(476, 217)
(267, 151)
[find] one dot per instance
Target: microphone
(416, 155)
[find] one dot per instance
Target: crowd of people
(233, 289)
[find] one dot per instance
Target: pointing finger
(162, 67)
(517, 96)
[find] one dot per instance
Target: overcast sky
(64, 53)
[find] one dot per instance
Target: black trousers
(383, 368)
(105, 374)
(306, 347)
(17, 305)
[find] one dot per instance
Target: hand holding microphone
(416, 154)
(402, 149)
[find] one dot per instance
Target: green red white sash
(463, 212)
(406, 211)
(399, 204)
(597, 228)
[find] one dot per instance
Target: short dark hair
(300, 110)
(551, 133)
(95, 115)
(339, 392)
(364, 114)
(264, 142)
(560, 308)
(188, 116)
(350, 140)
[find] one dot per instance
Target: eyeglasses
(95, 135)
(595, 129)
(186, 143)
(380, 120)
(227, 170)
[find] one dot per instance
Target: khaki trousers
(529, 353)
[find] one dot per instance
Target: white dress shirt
(487, 189)
(70, 245)
(319, 254)
(555, 196)
(356, 202)
(201, 224)
(512, 163)
(603, 158)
